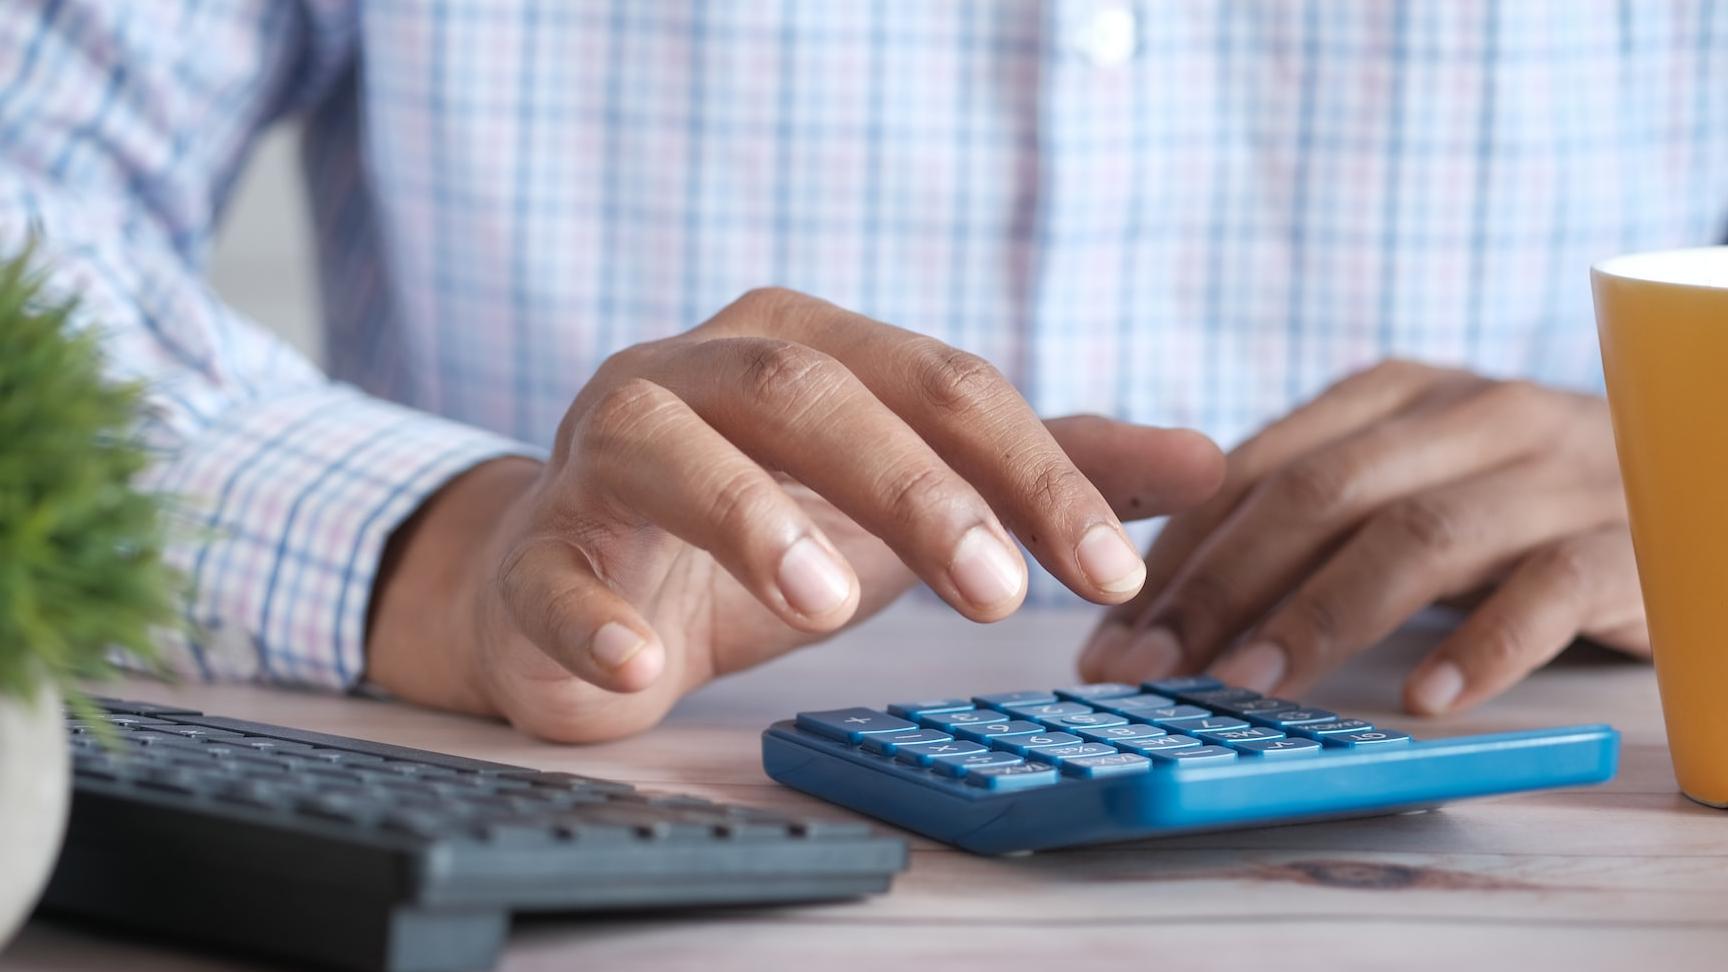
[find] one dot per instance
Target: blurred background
(263, 260)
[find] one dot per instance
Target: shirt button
(1108, 38)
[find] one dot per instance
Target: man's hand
(1397, 488)
(718, 498)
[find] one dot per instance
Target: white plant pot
(34, 787)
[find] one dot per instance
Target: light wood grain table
(1625, 876)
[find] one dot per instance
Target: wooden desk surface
(1615, 877)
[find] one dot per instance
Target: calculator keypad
(1032, 737)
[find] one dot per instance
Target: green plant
(81, 569)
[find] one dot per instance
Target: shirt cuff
(286, 506)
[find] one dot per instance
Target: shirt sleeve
(121, 127)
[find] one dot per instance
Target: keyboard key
(1276, 748)
(1262, 704)
(1086, 720)
(850, 725)
(1368, 737)
(958, 764)
(887, 743)
(1058, 754)
(1194, 756)
(983, 732)
(1184, 684)
(1048, 710)
(1211, 723)
(1011, 777)
(1133, 705)
(912, 710)
(1110, 734)
(1024, 697)
(1217, 697)
(1024, 742)
(1246, 733)
(196, 732)
(1097, 690)
(1157, 744)
(1171, 713)
(1294, 717)
(951, 722)
(921, 754)
(1320, 730)
(1114, 764)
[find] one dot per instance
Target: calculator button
(1096, 691)
(1320, 730)
(1110, 734)
(1114, 764)
(850, 725)
(1211, 723)
(1157, 744)
(1011, 777)
(1027, 697)
(887, 742)
(1086, 720)
(1262, 704)
(1172, 712)
(952, 721)
(981, 732)
(922, 754)
(1218, 697)
(1246, 733)
(1024, 742)
(1294, 717)
(958, 763)
(1368, 737)
(1048, 710)
(1184, 685)
(1277, 748)
(1195, 756)
(1133, 705)
(1058, 754)
(912, 710)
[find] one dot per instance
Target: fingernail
(1257, 667)
(986, 572)
(1156, 653)
(811, 580)
(1109, 562)
(1436, 689)
(614, 644)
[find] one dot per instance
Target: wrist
(426, 603)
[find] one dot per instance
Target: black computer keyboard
(368, 856)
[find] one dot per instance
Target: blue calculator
(1031, 770)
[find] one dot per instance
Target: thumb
(1142, 471)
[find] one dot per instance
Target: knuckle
(1056, 485)
(622, 412)
(765, 303)
(1567, 565)
(956, 380)
(1311, 489)
(782, 375)
(1428, 523)
(910, 495)
(741, 501)
(1499, 646)
(1516, 397)
(1314, 622)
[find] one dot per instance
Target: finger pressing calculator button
(1368, 737)
(1110, 734)
(952, 721)
(1024, 742)
(1133, 705)
(1085, 720)
(1024, 697)
(1184, 684)
(1011, 777)
(1194, 756)
(957, 764)
(912, 710)
(1320, 730)
(1048, 710)
(1244, 733)
(1097, 691)
(887, 743)
(1114, 764)
(1294, 717)
(1058, 754)
(1276, 748)
(981, 732)
(1157, 744)
(923, 754)
(851, 725)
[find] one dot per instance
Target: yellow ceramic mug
(1663, 322)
